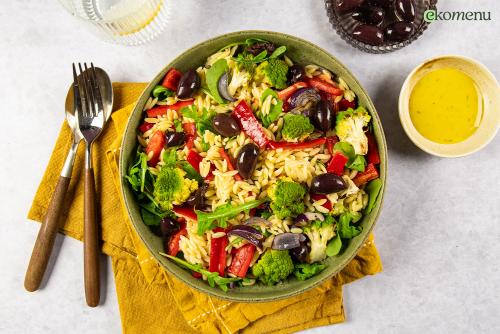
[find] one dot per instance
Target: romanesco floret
(287, 199)
(349, 127)
(319, 233)
(273, 72)
(172, 188)
(273, 266)
(296, 127)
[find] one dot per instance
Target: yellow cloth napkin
(152, 301)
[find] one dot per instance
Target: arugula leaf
(278, 52)
(162, 93)
(373, 190)
(203, 121)
(275, 110)
(334, 246)
(305, 271)
(137, 172)
(208, 220)
(191, 172)
(204, 145)
(358, 163)
(213, 278)
(344, 229)
(212, 79)
(149, 218)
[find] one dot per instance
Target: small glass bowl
(344, 25)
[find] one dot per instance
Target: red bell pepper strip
(155, 145)
(171, 79)
(324, 86)
(330, 143)
(145, 126)
(218, 253)
(230, 165)
(173, 241)
(194, 160)
(344, 104)
(287, 92)
(241, 260)
(189, 128)
(373, 157)
(327, 205)
(273, 145)
(337, 163)
(196, 274)
(250, 125)
(185, 212)
(369, 174)
(162, 110)
(210, 176)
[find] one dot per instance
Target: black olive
(175, 138)
(301, 253)
(168, 226)
(405, 10)
(197, 199)
(296, 73)
(247, 160)
(327, 183)
(399, 31)
(323, 116)
(344, 6)
(368, 34)
(188, 84)
(226, 125)
(258, 47)
(369, 15)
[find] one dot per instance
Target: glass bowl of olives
(379, 26)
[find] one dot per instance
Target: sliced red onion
(287, 240)
(223, 87)
(314, 216)
(257, 221)
(248, 233)
(304, 97)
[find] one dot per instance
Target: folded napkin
(153, 301)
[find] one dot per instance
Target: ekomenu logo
(431, 15)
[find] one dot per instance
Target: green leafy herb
(266, 214)
(344, 228)
(170, 157)
(178, 125)
(191, 173)
(212, 78)
(150, 218)
(208, 220)
(137, 172)
(278, 52)
(373, 190)
(359, 163)
(334, 246)
(203, 121)
(274, 111)
(162, 92)
(303, 271)
(204, 145)
(213, 278)
(356, 162)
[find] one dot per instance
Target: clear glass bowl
(128, 22)
(344, 25)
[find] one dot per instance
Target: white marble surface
(439, 233)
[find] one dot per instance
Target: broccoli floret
(172, 188)
(287, 199)
(319, 232)
(349, 127)
(273, 267)
(296, 127)
(273, 72)
(305, 271)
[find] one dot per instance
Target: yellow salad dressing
(445, 106)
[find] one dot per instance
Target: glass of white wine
(128, 22)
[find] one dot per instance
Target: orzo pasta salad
(252, 168)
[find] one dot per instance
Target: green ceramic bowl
(300, 51)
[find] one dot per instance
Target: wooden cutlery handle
(46, 237)
(91, 242)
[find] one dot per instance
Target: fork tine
(97, 88)
(85, 97)
(76, 94)
(89, 91)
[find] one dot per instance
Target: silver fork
(90, 115)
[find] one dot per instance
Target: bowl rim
(404, 110)
(205, 288)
